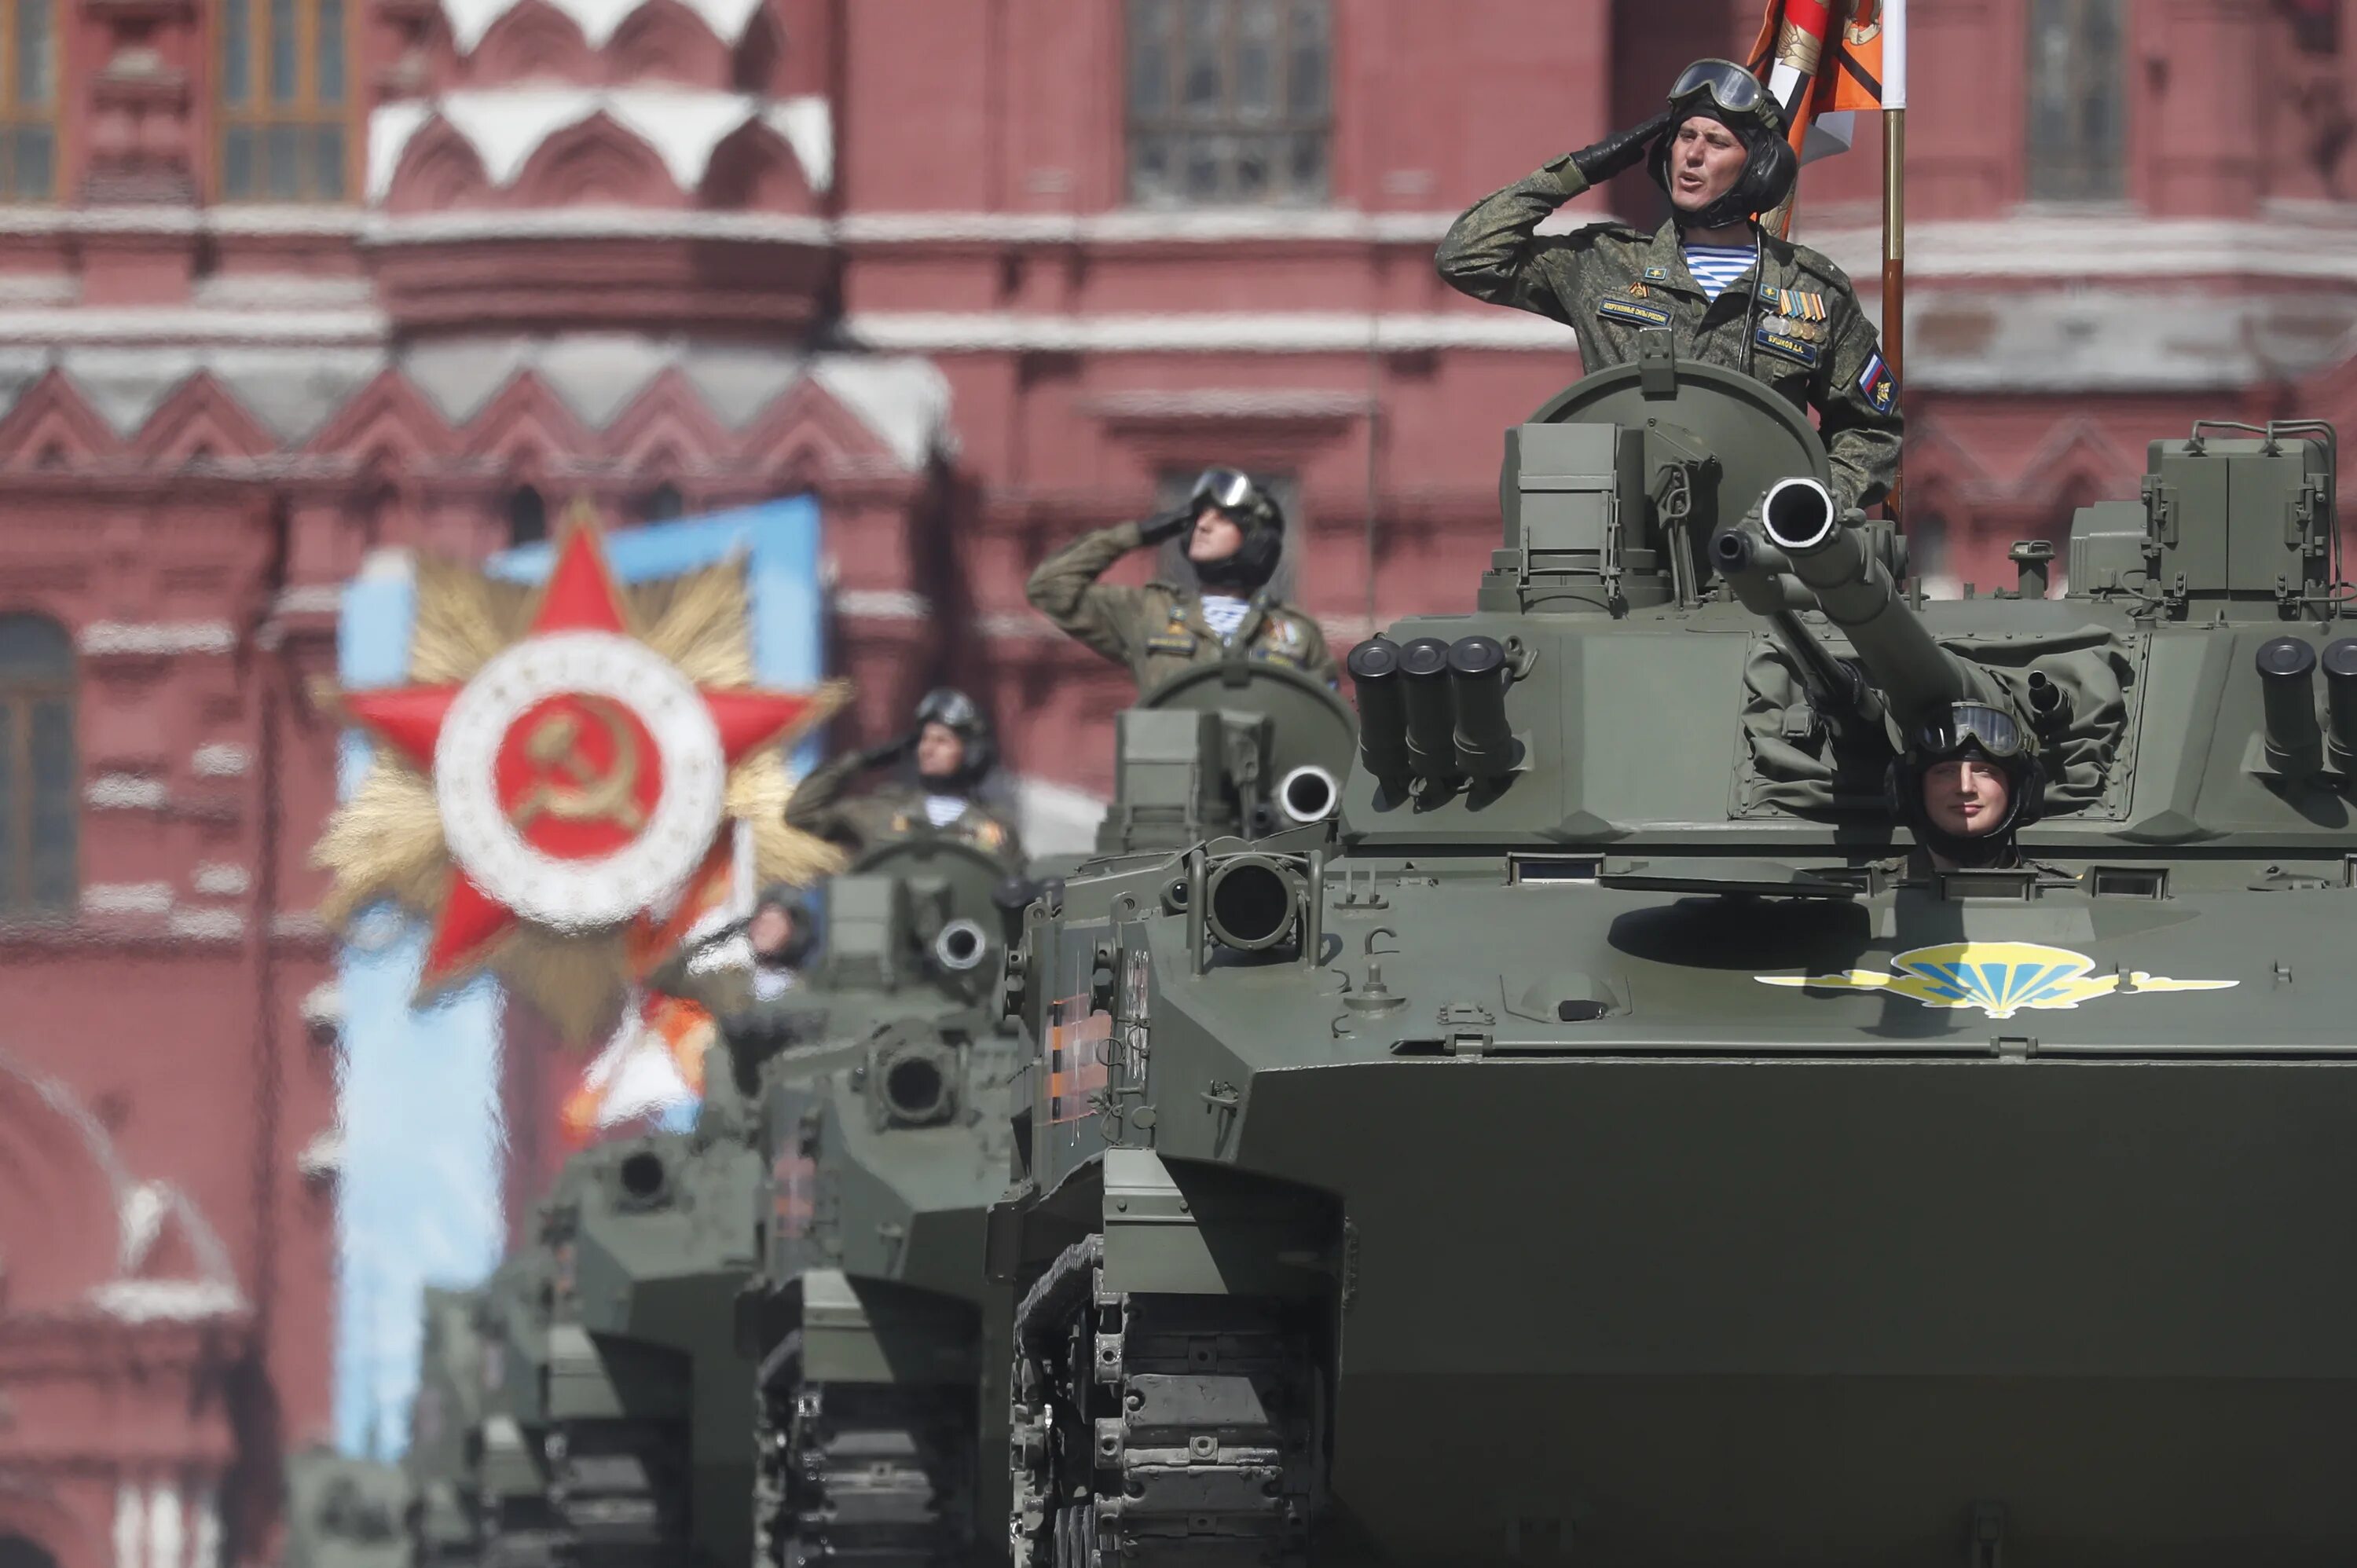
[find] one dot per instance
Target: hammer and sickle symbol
(568, 787)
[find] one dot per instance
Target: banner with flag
(1822, 60)
(426, 1123)
(650, 1069)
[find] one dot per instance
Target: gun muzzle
(1798, 516)
(961, 946)
(1758, 571)
(2294, 742)
(1307, 794)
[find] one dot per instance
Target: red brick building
(287, 282)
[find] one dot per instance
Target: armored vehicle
(445, 1433)
(1609, 1141)
(648, 1448)
(515, 1319)
(882, 1348)
(345, 1513)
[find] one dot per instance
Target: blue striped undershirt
(1717, 266)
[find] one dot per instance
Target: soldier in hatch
(951, 747)
(727, 970)
(1966, 784)
(1731, 293)
(1235, 532)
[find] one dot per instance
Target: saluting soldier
(1732, 293)
(752, 961)
(1235, 533)
(951, 745)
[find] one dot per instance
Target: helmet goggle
(949, 707)
(1728, 84)
(1973, 723)
(1226, 488)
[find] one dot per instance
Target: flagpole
(1894, 216)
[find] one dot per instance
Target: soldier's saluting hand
(1235, 534)
(1731, 293)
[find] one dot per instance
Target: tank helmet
(951, 708)
(1722, 91)
(1252, 510)
(1973, 731)
(802, 930)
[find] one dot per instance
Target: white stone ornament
(653, 867)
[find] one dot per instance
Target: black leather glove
(1619, 151)
(890, 752)
(1165, 525)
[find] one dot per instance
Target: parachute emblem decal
(1999, 979)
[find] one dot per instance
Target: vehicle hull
(1741, 1311)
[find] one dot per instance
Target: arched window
(40, 817)
(527, 516)
(1229, 101)
(2077, 99)
(284, 103)
(660, 504)
(28, 99)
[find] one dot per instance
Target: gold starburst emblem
(559, 786)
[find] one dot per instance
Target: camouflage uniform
(723, 990)
(823, 804)
(1158, 630)
(1608, 282)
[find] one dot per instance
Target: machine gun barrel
(1758, 571)
(1855, 591)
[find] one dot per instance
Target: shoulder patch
(1879, 387)
(1619, 309)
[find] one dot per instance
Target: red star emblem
(576, 774)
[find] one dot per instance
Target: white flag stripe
(1894, 54)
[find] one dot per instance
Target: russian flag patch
(1881, 387)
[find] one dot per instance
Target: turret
(1241, 748)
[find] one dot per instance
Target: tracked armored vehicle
(443, 1460)
(1612, 1142)
(345, 1513)
(650, 1459)
(882, 1348)
(516, 1320)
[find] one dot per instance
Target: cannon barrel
(1858, 594)
(1758, 571)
